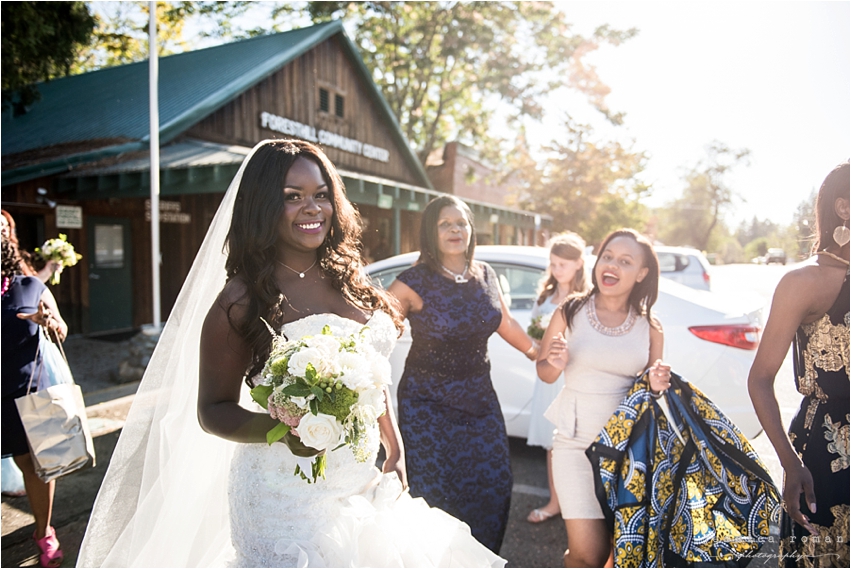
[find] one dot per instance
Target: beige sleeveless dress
(602, 366)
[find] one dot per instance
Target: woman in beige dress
(602, 341)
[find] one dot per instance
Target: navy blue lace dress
(456, 446)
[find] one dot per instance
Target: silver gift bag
(55, 421)
(57, 429)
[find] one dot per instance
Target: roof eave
(65, 163)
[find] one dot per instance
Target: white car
(707, 342)
(684, 265)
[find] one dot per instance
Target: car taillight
(744, 336)
(706, 277)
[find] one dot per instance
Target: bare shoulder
(809, 291)
(233, 299)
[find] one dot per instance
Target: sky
(773, 77)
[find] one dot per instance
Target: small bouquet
(539, 325)
(61, 251)
(328, 390)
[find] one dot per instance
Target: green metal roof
(113, 103)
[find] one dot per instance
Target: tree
(40, 42)
(121, 34)
(588, 186)
(692, 218)
(443, 65)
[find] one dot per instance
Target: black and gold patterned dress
(819, 434)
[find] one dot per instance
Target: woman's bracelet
(532, 352)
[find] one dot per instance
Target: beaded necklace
(591, 310)
(7, 282)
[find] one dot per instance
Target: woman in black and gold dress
(811, 309)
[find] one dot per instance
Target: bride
(192, 481)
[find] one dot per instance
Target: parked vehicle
(775, 255)
(684, 265)
(706, 341)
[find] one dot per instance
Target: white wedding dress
(356, 517)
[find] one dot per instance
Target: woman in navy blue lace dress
(456, 445)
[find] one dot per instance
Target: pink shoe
(51, 555)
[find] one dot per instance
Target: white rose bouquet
(539, 325)
(61, 251)
(326, 390)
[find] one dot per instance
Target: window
(386, 277)
(519, 284)
(324, 100)
(338, 105)
(109, 246)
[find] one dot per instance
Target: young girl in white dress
(601, 341)
(565, 275)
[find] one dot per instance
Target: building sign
(385, 201)
(69, 217)
(169, 213)
(324, 137)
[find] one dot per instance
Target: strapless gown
(356, 517)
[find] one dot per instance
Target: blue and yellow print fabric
(686, 487)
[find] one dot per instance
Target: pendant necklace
(299, 273)
(459, 278)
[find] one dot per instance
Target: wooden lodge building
(78, 162)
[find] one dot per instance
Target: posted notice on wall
(69, 217)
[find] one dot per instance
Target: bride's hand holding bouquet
(327, 391)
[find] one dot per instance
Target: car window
(667, 262)
(521, 284)
(672, 262)
(386, 277)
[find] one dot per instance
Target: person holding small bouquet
(58, 254)
(564, 276)
(260, 449)
(27, 304)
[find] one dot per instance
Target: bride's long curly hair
(253, 237)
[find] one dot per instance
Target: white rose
(545, 320)
(321, 431)
(299, 360)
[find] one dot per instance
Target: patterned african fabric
(680, 487)
(456, 445)
(819, 434)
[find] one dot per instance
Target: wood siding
(293, 93)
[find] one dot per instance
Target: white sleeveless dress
(602, 366)
(356, 517)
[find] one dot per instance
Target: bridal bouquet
(325, 389)
(61, 251)
(539, 325)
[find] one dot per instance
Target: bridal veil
(163, 501)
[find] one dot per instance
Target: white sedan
(707, 341)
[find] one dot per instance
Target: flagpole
(153, 62)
